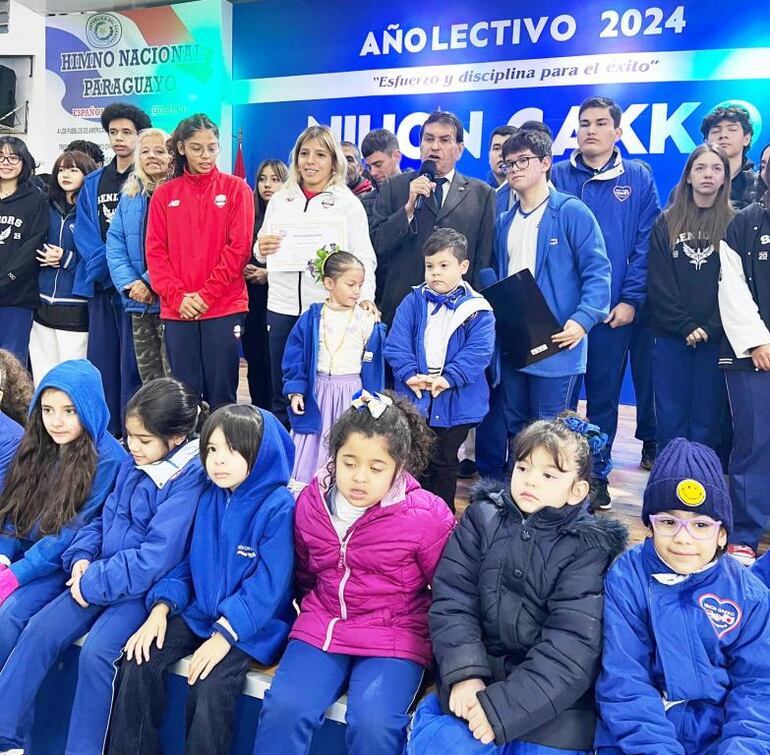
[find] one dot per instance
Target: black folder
(523, 318)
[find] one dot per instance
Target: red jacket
(199, 234)
(368, 595)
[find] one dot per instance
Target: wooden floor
(627, 480)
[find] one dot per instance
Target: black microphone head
(428, 168)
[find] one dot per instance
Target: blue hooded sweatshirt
(143, 530)
(10, 436)
(237, 579)
(36, 556)
(686, 659)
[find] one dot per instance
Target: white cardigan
(292, 293)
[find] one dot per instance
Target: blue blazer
(300, 358)
(624, 200)
(238, 576)
(571, 269)
(143, 530)
(125, 250)
(703, 641)
(469, 352)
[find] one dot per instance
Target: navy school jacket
(686, 662)
(35, 556)
(571, 269)
(59, 284)
(237, 577)
(469, 352)
(143, 530)
(300, 358)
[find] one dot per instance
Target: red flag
(240, 166)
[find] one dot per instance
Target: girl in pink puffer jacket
(367, 541)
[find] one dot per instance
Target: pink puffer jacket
(368, 594)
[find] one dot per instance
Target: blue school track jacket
(623, 197)
(469, 352)
(10, 436)
(88, 237)
(686, 660)
(143, 530)
(571, 269)
(36, 556)
(58, 284)
(125, 250)
(237, 578)
(300, 358)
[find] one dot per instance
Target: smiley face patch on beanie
(690, 492)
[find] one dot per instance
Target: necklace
(525, 215)
(333, 352)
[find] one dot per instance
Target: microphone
(428, 168)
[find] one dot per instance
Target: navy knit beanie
(688, 476)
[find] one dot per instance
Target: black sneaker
(600, 496)
(649, 454)
(466, 469)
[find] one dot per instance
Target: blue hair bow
(597, 440)
(375, 402)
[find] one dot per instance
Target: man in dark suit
(452, 200)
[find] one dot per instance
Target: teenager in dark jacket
(744, 306)
(60, 326)
(110, 339)
(516, 619)
(23, 227)
(682, 283)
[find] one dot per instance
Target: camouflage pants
(149, 347)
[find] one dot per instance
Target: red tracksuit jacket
(199, 234)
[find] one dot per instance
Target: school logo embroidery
(552, 242)
(220, 200)
(246, 551)
(723, 613)
(622, 193)
(5, 234)
(698, 256)
(691, 492)
(237, 331)
(174, 203)
(327, 200)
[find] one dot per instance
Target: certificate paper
(302, 239)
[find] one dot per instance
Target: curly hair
(410, 440)
(15, 388)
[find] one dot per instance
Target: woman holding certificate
(199, 233)
(314, 209)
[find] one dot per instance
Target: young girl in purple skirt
(333, 351)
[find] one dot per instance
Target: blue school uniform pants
(380, 693)
(690, 391)
(434, 732)
(749, 393)
(111, 351)
(519, 399)
(641, 358)
(278, 330)
(205, 355)
(22, 605)
(47, 633)
(15, 327)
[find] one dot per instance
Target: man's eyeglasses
(520, 163)
(666, 525)
(10, 159)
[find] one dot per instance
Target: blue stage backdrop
(367, 64)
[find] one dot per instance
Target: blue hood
(81, 381)
(273, 465)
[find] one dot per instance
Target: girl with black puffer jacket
(516, 620)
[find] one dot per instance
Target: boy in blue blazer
(557, 238)
(440, 344)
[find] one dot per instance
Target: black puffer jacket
(518, 603)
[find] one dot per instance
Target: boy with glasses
(110, 339)
(622, 196)
(557, 239)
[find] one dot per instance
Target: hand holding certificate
(301, 239)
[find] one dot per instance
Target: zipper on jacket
(58, 269)
(342, 563)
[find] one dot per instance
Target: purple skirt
(333, 394)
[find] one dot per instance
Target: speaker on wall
(7, 96)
